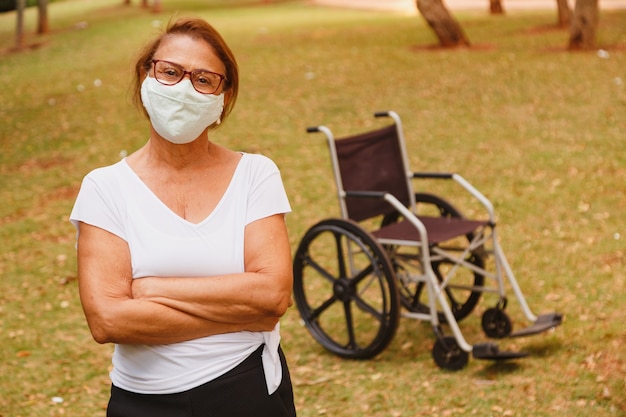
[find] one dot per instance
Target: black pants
(242, 392)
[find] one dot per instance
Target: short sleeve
(267, 193)
(98, 203)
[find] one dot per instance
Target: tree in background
(565, 13)
(495, 7)
(584, 25)
(156, 5)
(19, 27)
(42, 17)
(446, 28)
(42, 21)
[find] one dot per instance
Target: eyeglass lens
(169, 73)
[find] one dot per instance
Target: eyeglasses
(169, 73)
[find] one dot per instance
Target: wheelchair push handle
(313, 129)
(321, 128)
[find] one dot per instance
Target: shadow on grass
(499, 367)
(544, 348)
(540, 349)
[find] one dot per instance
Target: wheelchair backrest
(372, 161)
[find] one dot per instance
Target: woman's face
(192, 54)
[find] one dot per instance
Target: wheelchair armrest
(477, 195)
(434, 175)
(463, 183)
(366, 194)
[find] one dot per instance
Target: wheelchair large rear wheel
(462, 293)
(345, 289)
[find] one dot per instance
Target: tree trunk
(19, 26)
(565, 13)
(584, 25)
(42, 17)
(495, 7)
(127, 2)
(144, 4)
(446, 28)
(156, 6)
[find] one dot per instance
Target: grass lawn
(540, 131)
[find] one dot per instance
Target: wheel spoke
(314, 314)
(454, 304)
(341, 261)
(364, 306)
(371, 272)
(457, 298)
(349, 325)
(322, 271)
(418, 293)
(366, 272)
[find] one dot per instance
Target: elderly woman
(183, 255)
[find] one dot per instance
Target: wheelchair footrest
(490, 351)
(544, 322)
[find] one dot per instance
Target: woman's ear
(227, 96)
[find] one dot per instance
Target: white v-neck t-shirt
(162, 243)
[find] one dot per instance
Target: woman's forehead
(188, 51)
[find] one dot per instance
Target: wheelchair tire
(345, 289)
(448, 355)
(496, 323)
(413, 295)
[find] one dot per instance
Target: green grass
(540, 131)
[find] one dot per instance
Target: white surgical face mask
(178, 112)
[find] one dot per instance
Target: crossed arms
(163, 310)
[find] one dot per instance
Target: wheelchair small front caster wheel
(448, 355)
(496, 323)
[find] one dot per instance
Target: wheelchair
(399, 253)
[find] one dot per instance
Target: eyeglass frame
(185, 72)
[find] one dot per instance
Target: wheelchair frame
(387, 268)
